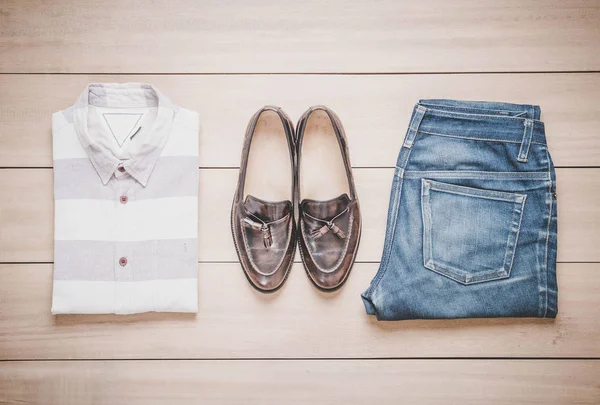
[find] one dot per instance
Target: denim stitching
(467, 174)
(501, 277)
(412, 132)
(517, 233)
(548, 231)
(455, 108)
(474, 192)
(469, 138)
(476, 139)
(526, 142)
(474, 195)
(410, 124)
(426, 218)
(481, 116)
(467, 278)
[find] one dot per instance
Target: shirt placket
(124, 260)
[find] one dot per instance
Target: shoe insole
(322, 170)
(269, 170)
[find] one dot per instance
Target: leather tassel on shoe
(316, 234)
(252, 224)
(337, 231)
(267, 237)
(326, 228)
(264, 228)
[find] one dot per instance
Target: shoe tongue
(267, 210)
(326, 209)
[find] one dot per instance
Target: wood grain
(27, 214)
(375, 109)
(309, 36)
(235, 321)
(331, 382)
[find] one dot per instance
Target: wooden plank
(375, 109)
(309, 36)
(235, 321)
(301, 382)
(27, 214)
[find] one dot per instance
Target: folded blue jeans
(471, 227)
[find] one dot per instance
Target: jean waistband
(481, 120)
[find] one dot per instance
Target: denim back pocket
(469, 234)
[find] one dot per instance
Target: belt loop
(537, 112)
(526, 142)
(414, 126)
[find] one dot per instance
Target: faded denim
(471, 228)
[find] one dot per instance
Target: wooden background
(370, 61)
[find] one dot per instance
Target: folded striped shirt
(126, 203)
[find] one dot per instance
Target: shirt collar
(102, 150)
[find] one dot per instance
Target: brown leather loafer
(330, 220)
(264, 229)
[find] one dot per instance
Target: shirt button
(121, 169)
(123, 261)
(123, 199)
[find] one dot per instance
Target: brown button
(123, 199)
(121, 169)
(123, 261)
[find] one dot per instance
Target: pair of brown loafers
(311, 163)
